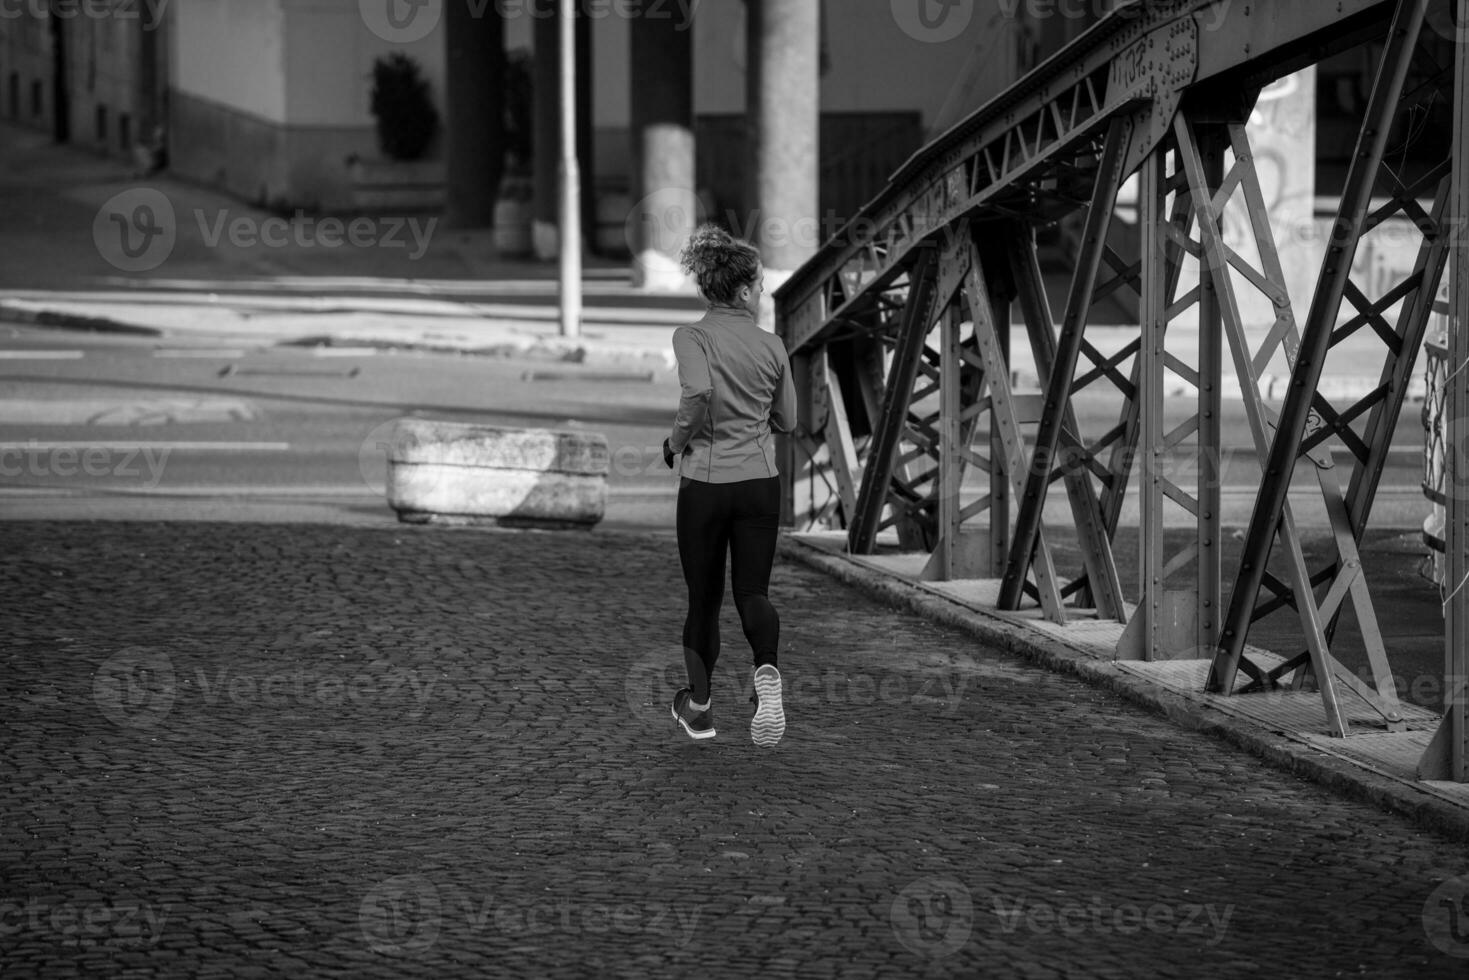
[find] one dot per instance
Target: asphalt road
(110, 423)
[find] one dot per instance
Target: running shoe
(769, 723)
(698, 724)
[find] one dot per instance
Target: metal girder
(1172, 622)
(1210, 199)
(932, 283)
(1062, 372)
(1046, 589)
(1100, 573)
(958, 551)
(1004, 155)
(1271, 511)
(1447, 755)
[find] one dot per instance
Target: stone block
(457, 473)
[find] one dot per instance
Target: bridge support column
(662, 146)
(1447, 756)
(784, 58)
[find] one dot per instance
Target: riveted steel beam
(1270, 507)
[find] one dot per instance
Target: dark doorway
(60, 100)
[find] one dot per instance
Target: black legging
(743, 520)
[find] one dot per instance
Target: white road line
(227, 352)
(343, 351)
(42, 355)
(138, 445)
(303, 493)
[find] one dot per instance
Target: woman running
(737, 393)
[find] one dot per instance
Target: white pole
(569, 174)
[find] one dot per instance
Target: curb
(1276, 748)
(567, 350)
(73, 321)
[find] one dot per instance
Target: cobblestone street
(315, 751)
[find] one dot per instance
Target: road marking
(118, 412)
(140, 445)
(42, 355)
(226, 352)
(343, 351)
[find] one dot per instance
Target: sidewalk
(412, 283)
(404, 752)
(206, 266)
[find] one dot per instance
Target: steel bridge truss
(899, 332)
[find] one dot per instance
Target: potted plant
(406, 118)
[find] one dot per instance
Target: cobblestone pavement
(237, 751)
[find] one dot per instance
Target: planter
(454, 473)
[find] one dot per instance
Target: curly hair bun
(719, 263)
(707, 249)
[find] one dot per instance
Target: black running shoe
(698, 724)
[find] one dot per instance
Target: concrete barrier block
(456, 473)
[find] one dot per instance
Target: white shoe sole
(769, 723)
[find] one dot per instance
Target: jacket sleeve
(783, 407)
(696, 384)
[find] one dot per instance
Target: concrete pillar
(785, 57)
(546, 139)
(475, 100)
(546, 142)
(666, 208)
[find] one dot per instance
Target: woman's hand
(667, 454)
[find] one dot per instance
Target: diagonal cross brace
(1048, 438)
